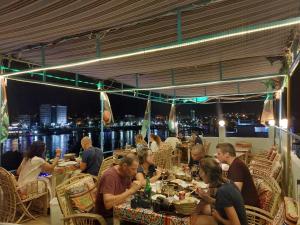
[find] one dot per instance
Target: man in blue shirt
(92, 157)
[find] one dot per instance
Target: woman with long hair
(227, 204)
(155, 142)
(140, 143)
(34, 163)
(146, 167)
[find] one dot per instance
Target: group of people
(224, 203)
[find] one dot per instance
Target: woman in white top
(34, 163)
(155, 142)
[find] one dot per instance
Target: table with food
(168, 201)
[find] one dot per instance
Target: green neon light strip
(51, 76)
(174, 45)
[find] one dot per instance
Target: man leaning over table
(116, 186)
(92, 157)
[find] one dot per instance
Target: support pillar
(102, 124)
(43, 62)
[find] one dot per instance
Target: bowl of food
(69, 156)
(186, 206)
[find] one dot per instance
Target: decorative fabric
(146, 121)
(264, 194)
(147, 216)
(291, 210)
(276, 169)
(272, 157)
(82, 195)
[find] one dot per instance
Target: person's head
(139, 139)
(225, 152)
(145, 156)
(86, 143)
(211, 172)
(128, 165)
(194, 134)
(37, 148)
(14, 145)
(197, 152)
(180, 135)
(155, 138)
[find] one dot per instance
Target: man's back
(239, 172)
(11, 160)
(93, 158)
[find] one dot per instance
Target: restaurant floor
(42, 220)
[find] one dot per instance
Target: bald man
(92, 157)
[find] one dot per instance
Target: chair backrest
(163, 157)
(8, 198)
(106, 163)
(256, 216)
(61, 189)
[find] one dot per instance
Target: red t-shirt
(110, 183)
(239, 172)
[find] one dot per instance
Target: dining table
(147, 216)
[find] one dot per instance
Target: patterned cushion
(265, 194)
(276, 170)
(291, 210)
(274, 153)
(82, 195)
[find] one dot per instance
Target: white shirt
(173, 141)
(30, 170)
(154, 146)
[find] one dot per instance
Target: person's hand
(135, 186)
(203, 195)
(57, 152)
(159, 172)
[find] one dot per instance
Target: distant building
(53, 115)
(24, 120)
(61, 115)
(45, 114)
(193, 114)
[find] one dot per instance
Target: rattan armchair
(85, 219)
(15, 207)
(71, 217)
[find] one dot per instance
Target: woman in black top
(228, 201)
(146, 167)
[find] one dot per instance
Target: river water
(71, 142)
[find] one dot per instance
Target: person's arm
(205, 196)
(232, 216)
(47, 167)
(111, 200)
(239, 185)
(84, 160)
(83, 166)
(141, 178)
(156, 176)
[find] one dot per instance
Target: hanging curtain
(4, 119)
(107, 112)
(268, 113)
(172, 124)
(146, 121)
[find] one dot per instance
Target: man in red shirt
(116, 186)
(238, 173)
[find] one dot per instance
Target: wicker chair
(163, 157)
(106, 163)
(17, 208)
(70, 217)
(84, 219)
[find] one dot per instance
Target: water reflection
(112, 140)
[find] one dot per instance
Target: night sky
(24, 98)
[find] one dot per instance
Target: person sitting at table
(116, 186)
(146, 167)
(11, 160)
(92, 157)
(172, 140)
(197, 153)
(181, 137)
(228, 201)
(140, 143)
(238, 173)
(195, 138)
(155, 142)
(34, 163)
